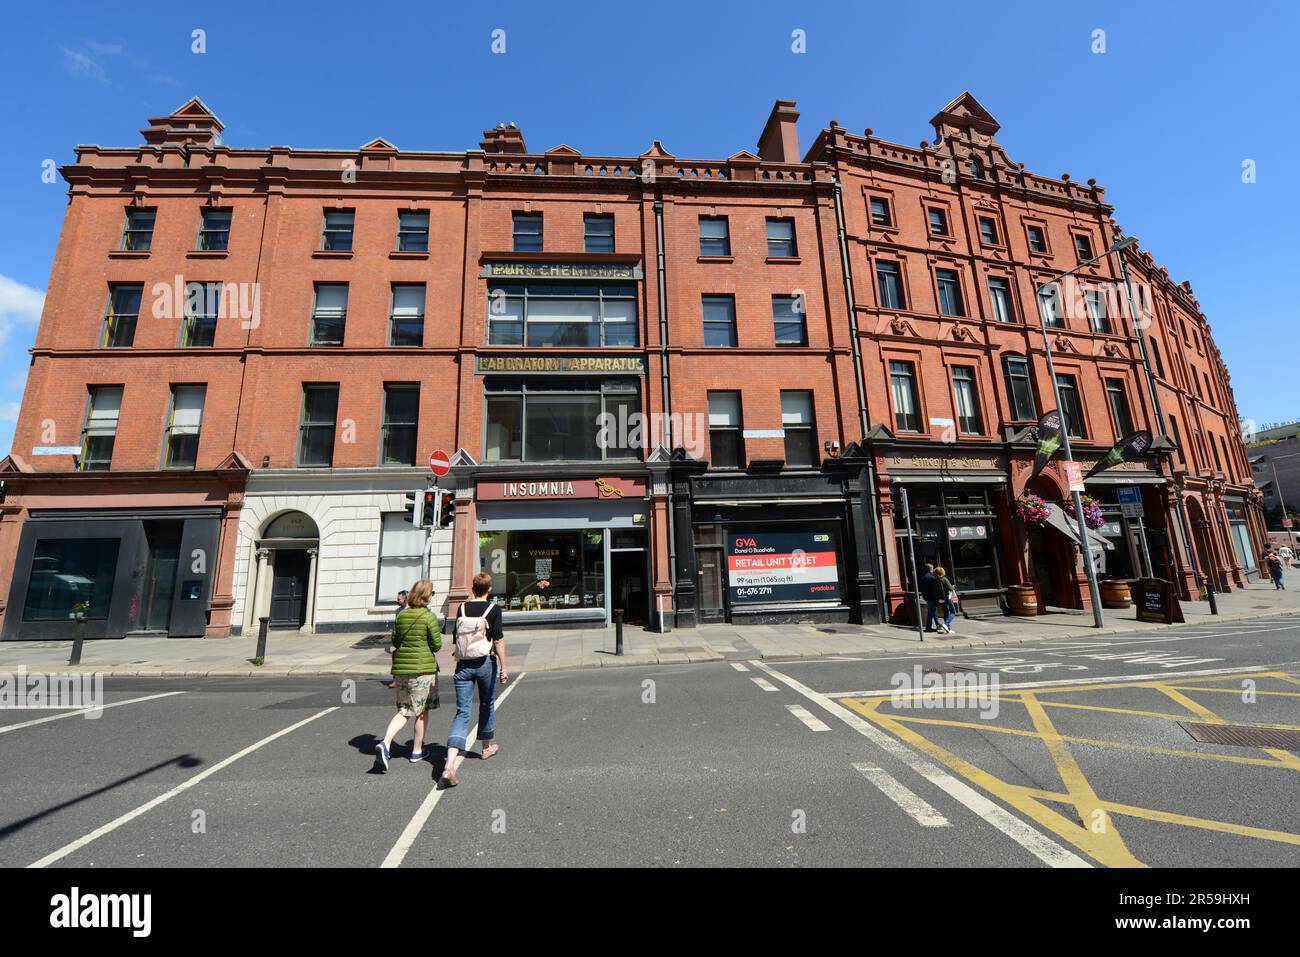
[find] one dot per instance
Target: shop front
(1234, 508)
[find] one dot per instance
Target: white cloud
(82, 65)
(20, 306)
(104, 49)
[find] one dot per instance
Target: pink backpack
(472, 635)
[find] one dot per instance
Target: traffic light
(429, 512)
(411, 516)
(447, 510)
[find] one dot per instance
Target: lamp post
(1042, 292)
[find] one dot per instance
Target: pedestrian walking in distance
(401, 603)
(1275, 571)
(930, 592)
(947, 600)
(480, 650)
(1286, 555)
(416, 640)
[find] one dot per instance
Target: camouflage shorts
(416, 694)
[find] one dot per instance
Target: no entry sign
(439, 463)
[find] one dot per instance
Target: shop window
(100, 430)
(1000, 294)
(71, 574)
(320, 405)
(890, 282)
(788, 314)
(569, 316)
(202, 306)
(401, 421)
(329, 314)
(413, 230)
(1068, 388)
(401, 557)
(719, 321)
(526, 232)
(214, 230)
(406, 318)
(1119, 411)
(800, 435)
(880, 215)
(967, 400)
(715, 236)
(726, 439)
(907, 411)
(545, 570)
(561, 419)
(780, 239)
(957, 530)
(597, 233)
(336, 236)
(1020, 388)
(137, 234)
(122, 315)
(184, 419)
(950, 302)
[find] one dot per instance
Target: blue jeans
(931, 618)
(949, 615)
(472, 672)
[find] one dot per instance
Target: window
(938, 221)
(1094, 300)
(413, 230)
(1000, 294)
(1218, 462)
(1119, 411)
(1178, 440)
(890, 282)
(719, 320)
(1049, 301)
(726, 441)
(401, 548)
(597, 233)
(950, 303)
(880, 212)
(401, 418)
(329, 314)
(780, 239)
(907, 414)
(553, 419)
(554, 314)
(100, 430)
(320, 406)
(977, 167)
(988, 231)
(123, 311)
(969, 421)
(406, 320)
(1082, 247)
(1020, 390)
(788, 317)
(137, 234)
(1155, 354)
(544, 570)
(68, 571)
(202, 306)
(337, 235)
(715, 237)
(214, 230)
(1070, 408)
(800, 438)
(1037, 239)
(527, 232)
(183, 421)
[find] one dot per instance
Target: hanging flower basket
(1092, 516)
(1031, 510)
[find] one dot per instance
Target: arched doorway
(1052, 557)
(285, 572)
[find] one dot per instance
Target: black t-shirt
(474, 608)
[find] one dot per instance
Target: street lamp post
(1085, 545)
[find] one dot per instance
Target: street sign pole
(911, 554)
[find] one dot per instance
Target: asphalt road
(1061, 753)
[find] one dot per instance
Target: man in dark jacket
(928, 592)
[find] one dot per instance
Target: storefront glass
(1236, 510)
(545, 570)
(67, 572)
(956, 530)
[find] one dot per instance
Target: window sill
(128, 254)
(715, 259)
(784, 260)
(996, 247)
(883, 228)
(332, 254)
(207, 254)
(408, 254)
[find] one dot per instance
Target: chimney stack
(779, 142)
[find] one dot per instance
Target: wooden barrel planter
(1115, 593)
(1023, 600)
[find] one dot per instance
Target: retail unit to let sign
(765, 566)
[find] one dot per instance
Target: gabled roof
(969, 109)
(379, 145)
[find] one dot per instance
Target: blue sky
(1164, 118)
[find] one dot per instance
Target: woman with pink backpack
(480, 649)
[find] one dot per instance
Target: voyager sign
(634, 365)
(525, 270)
(765, 566)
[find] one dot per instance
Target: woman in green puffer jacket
(416, 639)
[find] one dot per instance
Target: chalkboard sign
(1156, 601)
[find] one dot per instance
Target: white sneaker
(944, 629)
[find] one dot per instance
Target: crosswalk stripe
(764, 684)
(807, 717)
(915, 806)
(738, 666)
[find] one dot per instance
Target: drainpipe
(660, 271)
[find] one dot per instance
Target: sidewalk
(553, 649)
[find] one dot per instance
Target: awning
(1123, 479)
(1068, 527)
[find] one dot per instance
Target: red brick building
(646, 370)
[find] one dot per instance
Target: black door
(627, 586)
(289, 589)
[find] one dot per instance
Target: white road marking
(738, 666)
(916, 807)
(1004, 686)
(73, 714)
(185, 785)
(763, 682)
(406, 840)
(1041, 846)
(813, 722)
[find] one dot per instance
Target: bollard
(78, 638)
(618, 631)
(262, 624)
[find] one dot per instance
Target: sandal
(449, 779)
(488, 752)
